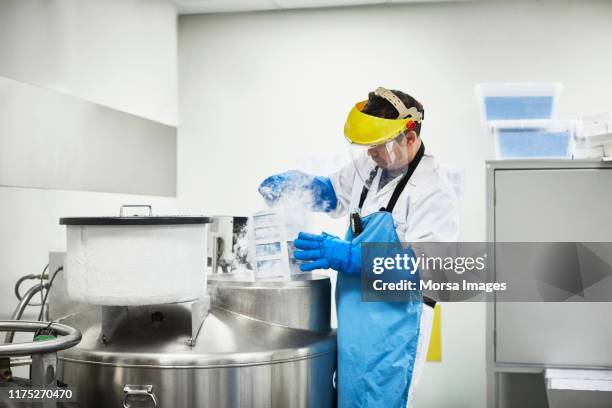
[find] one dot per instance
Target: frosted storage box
(533, 139)
(273, 233)
(135, 260)
(528, 100)
(594, 137)
(592, 126)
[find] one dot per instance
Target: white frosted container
(595, 128)
(135, 260)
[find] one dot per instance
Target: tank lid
(136, 220)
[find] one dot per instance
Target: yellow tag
(434, 353)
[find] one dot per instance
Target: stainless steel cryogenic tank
(262, 344)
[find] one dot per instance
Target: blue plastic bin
(534, 139)
(518, 101)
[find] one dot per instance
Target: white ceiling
(228, 6)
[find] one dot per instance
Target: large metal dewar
(262, 344)
(154, 332)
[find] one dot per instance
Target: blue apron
(377, 341)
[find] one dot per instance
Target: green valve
(43, 337)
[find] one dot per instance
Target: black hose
(42, 278)
(42, 307)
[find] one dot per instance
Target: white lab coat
(426, 211)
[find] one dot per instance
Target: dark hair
(382, 108)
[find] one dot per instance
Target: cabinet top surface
(546, 164)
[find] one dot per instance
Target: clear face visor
(369, 160)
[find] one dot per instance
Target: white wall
(118, 53)
(260, 91)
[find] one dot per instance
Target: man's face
(390, 155)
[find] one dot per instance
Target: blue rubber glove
(273, 188)
(327, 251)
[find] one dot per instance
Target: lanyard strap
(400, 186)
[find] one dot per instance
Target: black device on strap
(429, 301)
(400, 185)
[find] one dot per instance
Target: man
(393, 192)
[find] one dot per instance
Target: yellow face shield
(366, 130)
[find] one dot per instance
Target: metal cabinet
(545, 201)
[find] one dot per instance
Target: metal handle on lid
(135, 206)
(131, 390)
